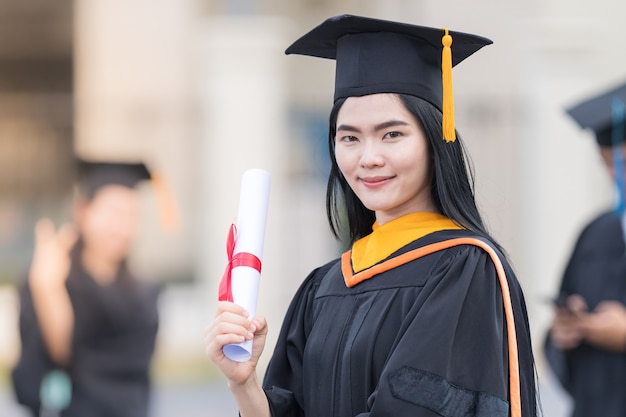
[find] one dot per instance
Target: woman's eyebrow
(348, 128)
(380, 126)
(390, 123)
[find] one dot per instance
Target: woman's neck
(383, 217)
(102, 270)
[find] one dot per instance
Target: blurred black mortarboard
(598, 114)
(93, 175)
(381, 56)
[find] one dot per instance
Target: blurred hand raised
(51, 258)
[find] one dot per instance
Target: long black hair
(452, 182)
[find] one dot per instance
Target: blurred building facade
(36, 133)
(201, 89)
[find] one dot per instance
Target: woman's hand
(48, 273)
(605, 327)
(232, 325)
(51, 259)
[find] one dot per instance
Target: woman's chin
(115, 255)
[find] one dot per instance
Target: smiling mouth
(375, 182)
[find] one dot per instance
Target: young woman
(423, 316)
(82, 311)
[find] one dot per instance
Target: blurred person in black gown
(83, 314)
(391, 328)
(586, 344)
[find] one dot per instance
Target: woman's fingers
(259, 325)
(47, 236)
(227, 306)
(51, 260)
(214, 345)
(237, 326)
(230, 325)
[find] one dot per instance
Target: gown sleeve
(34, 361)
(286, 362)
(452, 357)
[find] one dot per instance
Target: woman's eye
(392, 135)
(348, 139)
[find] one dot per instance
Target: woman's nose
(371, 155)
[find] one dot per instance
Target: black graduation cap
(598, 113)
(381, 56)
(93, 175)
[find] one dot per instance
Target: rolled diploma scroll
(251, 219)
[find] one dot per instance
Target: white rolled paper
(251, 219)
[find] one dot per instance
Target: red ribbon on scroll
(240, 259)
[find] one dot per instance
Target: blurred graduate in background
(586, 344)
(87, 325)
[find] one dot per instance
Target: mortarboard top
(381, 56)
(93, 175)
(597, 114)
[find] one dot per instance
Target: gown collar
(388, 238)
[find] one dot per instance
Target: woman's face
(108, 222)
(383, 154)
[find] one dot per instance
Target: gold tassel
(167, 209)
(446, 80)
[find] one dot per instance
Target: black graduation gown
(427, 338)
(595, 378)
(112, 345)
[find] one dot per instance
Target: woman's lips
(376, 182)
